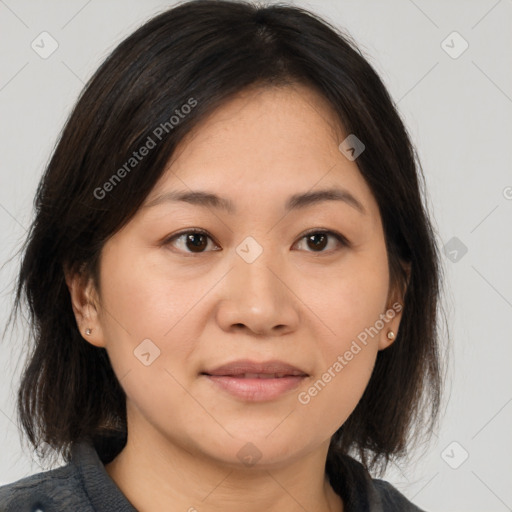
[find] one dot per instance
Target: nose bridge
(256, 265)
(257, 296)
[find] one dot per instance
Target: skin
(201, 309)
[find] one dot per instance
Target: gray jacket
(83, 485)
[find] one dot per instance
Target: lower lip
(256, 390)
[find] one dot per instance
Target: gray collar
(101, 490)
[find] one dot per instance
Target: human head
(203, 54)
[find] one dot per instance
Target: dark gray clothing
(83, 485)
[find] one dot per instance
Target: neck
(155, 476)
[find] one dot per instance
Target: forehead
(264, 143)
(262, 123)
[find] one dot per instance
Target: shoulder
(48, 491)
(392, 499)
(83, 484)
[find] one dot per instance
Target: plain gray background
(457, 105)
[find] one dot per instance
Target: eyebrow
(294, 202)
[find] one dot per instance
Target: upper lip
(243, 366)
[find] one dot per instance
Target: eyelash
(338, 236)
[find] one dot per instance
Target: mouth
(256, 382)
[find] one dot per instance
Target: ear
(393, 314)
(85, 304)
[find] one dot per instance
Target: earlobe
(387, 339)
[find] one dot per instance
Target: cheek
(143, 300)
(350, 299)
(141, 304)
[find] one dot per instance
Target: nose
(258, 297)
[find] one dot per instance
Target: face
(305, 282)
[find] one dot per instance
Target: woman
(232, 278)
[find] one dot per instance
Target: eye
(196, 240)
(319, 239)
(193, 240)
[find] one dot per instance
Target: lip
(230, 378)
(242, 366)
(256, 390)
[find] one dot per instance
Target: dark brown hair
(202, 53)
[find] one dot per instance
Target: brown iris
(196, 242)
(317, 243)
